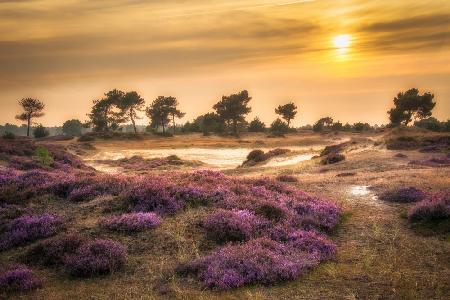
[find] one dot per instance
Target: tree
(40, 132)
(32, 109)
(232, 109)
(105, 114)
(287, 112)
(172, 103)
(130, 104)
(159, 112)
(72, 127)
(322, 123)
(279, 127)
(256, 125)
(410, 106)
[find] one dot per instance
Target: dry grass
(379, 255)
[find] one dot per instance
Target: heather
(28, 228)
(433, 207)
(138, 163)
(262, 261)
(287, 178)
(131, 222)
(19, 279)
(404, 195)
(96, 257)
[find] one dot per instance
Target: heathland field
(305, 216)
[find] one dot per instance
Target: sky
(69, 53)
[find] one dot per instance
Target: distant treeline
(117, 109)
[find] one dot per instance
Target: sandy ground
(380, 255)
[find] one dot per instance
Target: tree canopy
(32, 108)
(161, 109)
(232, 109)
(105, 114)
(287, 112)
(130, 104)
(410, 105)
(72, 127)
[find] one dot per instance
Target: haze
(67, 53)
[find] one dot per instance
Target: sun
(342, 41)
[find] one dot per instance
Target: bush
(434, 207)
(229, 226)
(55, 251)
(256, 156)
(260, 261)
(43, 156)
(132, 222)
(256, 125)
(332, 158)
(287, 178)
(9, 136)
(98, 257)
(404, 195)
(25, 229)
(19, 279)
(86, 138)
(40, 132)
(430, 123)
(278, 127)
(72, 127)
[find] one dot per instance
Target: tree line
(117, 108)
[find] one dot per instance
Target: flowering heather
(55, 251)
(132, 222)
(405, 195)
(318, 213)
(19, 279)
(261, 261)
(97, 257)
(25, 229)
(434, 207)
(314, 243)
(233, 225)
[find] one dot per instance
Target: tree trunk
(164, 129)
(173, 119)
(289, 122)
(29, 123)
(235, 127)
(134, 125)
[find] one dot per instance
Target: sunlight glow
(342, 41)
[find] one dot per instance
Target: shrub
(287, 178)
(332, 158)
(55, 251)
(318, 213)
(43, 156)
(433, 207)
(98, 257)
(256, 156)
(258, 261)
(405, 195)
(19, 279)
(40, 132)
(256, 125)
(27, 229)
(314, 243)
(132, 222)
(278, 127)
(72, 127)
(238, 225)
(430, 123)
(86, 138)
(9, 136)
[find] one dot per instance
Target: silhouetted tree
(72, 127)
(411, 105)
(322, 123)
(130, 104)
(40, 132)
(232, 109)
(105, 114)
(287, 112)
(256, 125)
(159, 111)
(174, 112)
(32, 109)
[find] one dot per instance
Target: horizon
(345, 59)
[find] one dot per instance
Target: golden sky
(69, 52)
